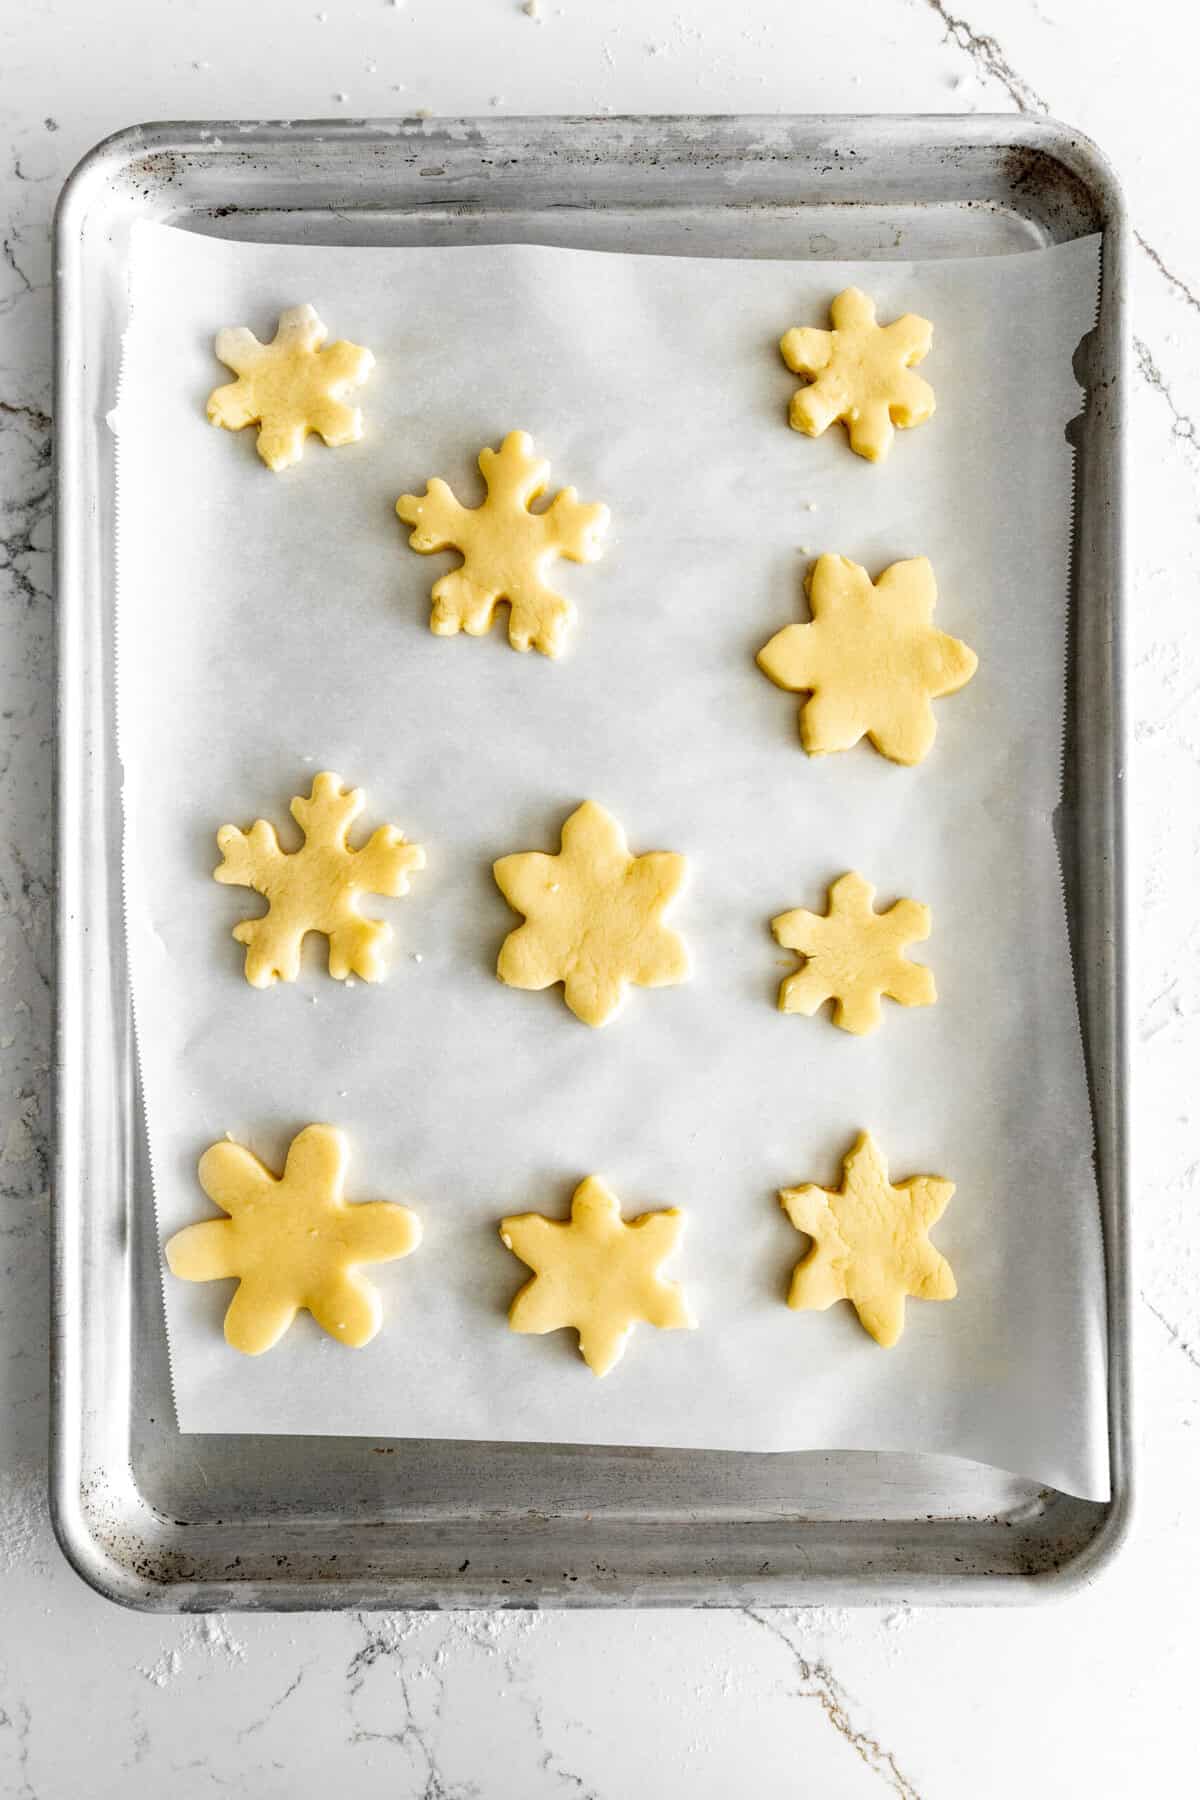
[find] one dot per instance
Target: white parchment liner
(274, 626)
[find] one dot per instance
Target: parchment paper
(274, 626)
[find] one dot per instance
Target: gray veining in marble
(1093, 1696)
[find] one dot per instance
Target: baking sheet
(270, 627)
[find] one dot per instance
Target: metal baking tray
(163, 1521)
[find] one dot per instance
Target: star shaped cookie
(860, 372)
(291, 1241)
(853, 956)
(290, 386)
(596, 1273)
(870, 1242)
(871, 660)
(593, 917)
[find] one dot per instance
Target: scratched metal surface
(165, 1522)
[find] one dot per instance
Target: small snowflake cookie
(290, 386)
(506, 547)
(596, 1273)
(871, 660)
(291, 1242)
(860, 372)
(853, 956)
(316, 888)
(870, 1242)
(593, 917)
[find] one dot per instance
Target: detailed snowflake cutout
(291, 1241)
(870, 1242)
(596, 1273)
(871, 659)
(290, 386)
(506, 547)
(593, 917)
(316, 888)
(854, 956)
(860, 372)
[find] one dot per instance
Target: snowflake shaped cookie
(506, 547)
(860, 372)
(853, 956)
(291, 1241)
(316, 888)
(593, 917)
(870, 1242)
(871, 660)
(290, 386)
(596, 1273)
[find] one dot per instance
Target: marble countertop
(1092, 1695)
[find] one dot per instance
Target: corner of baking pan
(92, 1559)
(96, 174)
(1094, 1561)
(1083, 160)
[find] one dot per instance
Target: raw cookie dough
(291, 1241)
(859, 372)
(290, 386)
(853, 956)
(593, 917)
(596, 1273)
(869, 1242)
(506, 548)
(316, 888)
(871, 660)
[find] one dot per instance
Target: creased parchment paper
(274, 626)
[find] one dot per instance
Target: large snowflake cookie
(860, 372)
(870, 1242)
(597, 1273)
(291, 1242)
(593, 916)
(506, 547)
(316, 888)
(290, 386)
(853, 956)
(871, 660)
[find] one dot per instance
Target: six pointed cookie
(316, 888)
(871, 659)
(290, 386)
(593, 917)
(291, 1242)
(870, 1242)
(853, 955)
(596, 1273)
(860, 372)
(505, 546)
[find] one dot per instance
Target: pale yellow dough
(596, 1273)
(290, 386)
(860, 372)
(291, 1242)
(593, 917)
(870, 1242)
(506, 548)
(853, 956)
(871, 660)
(316, 888)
